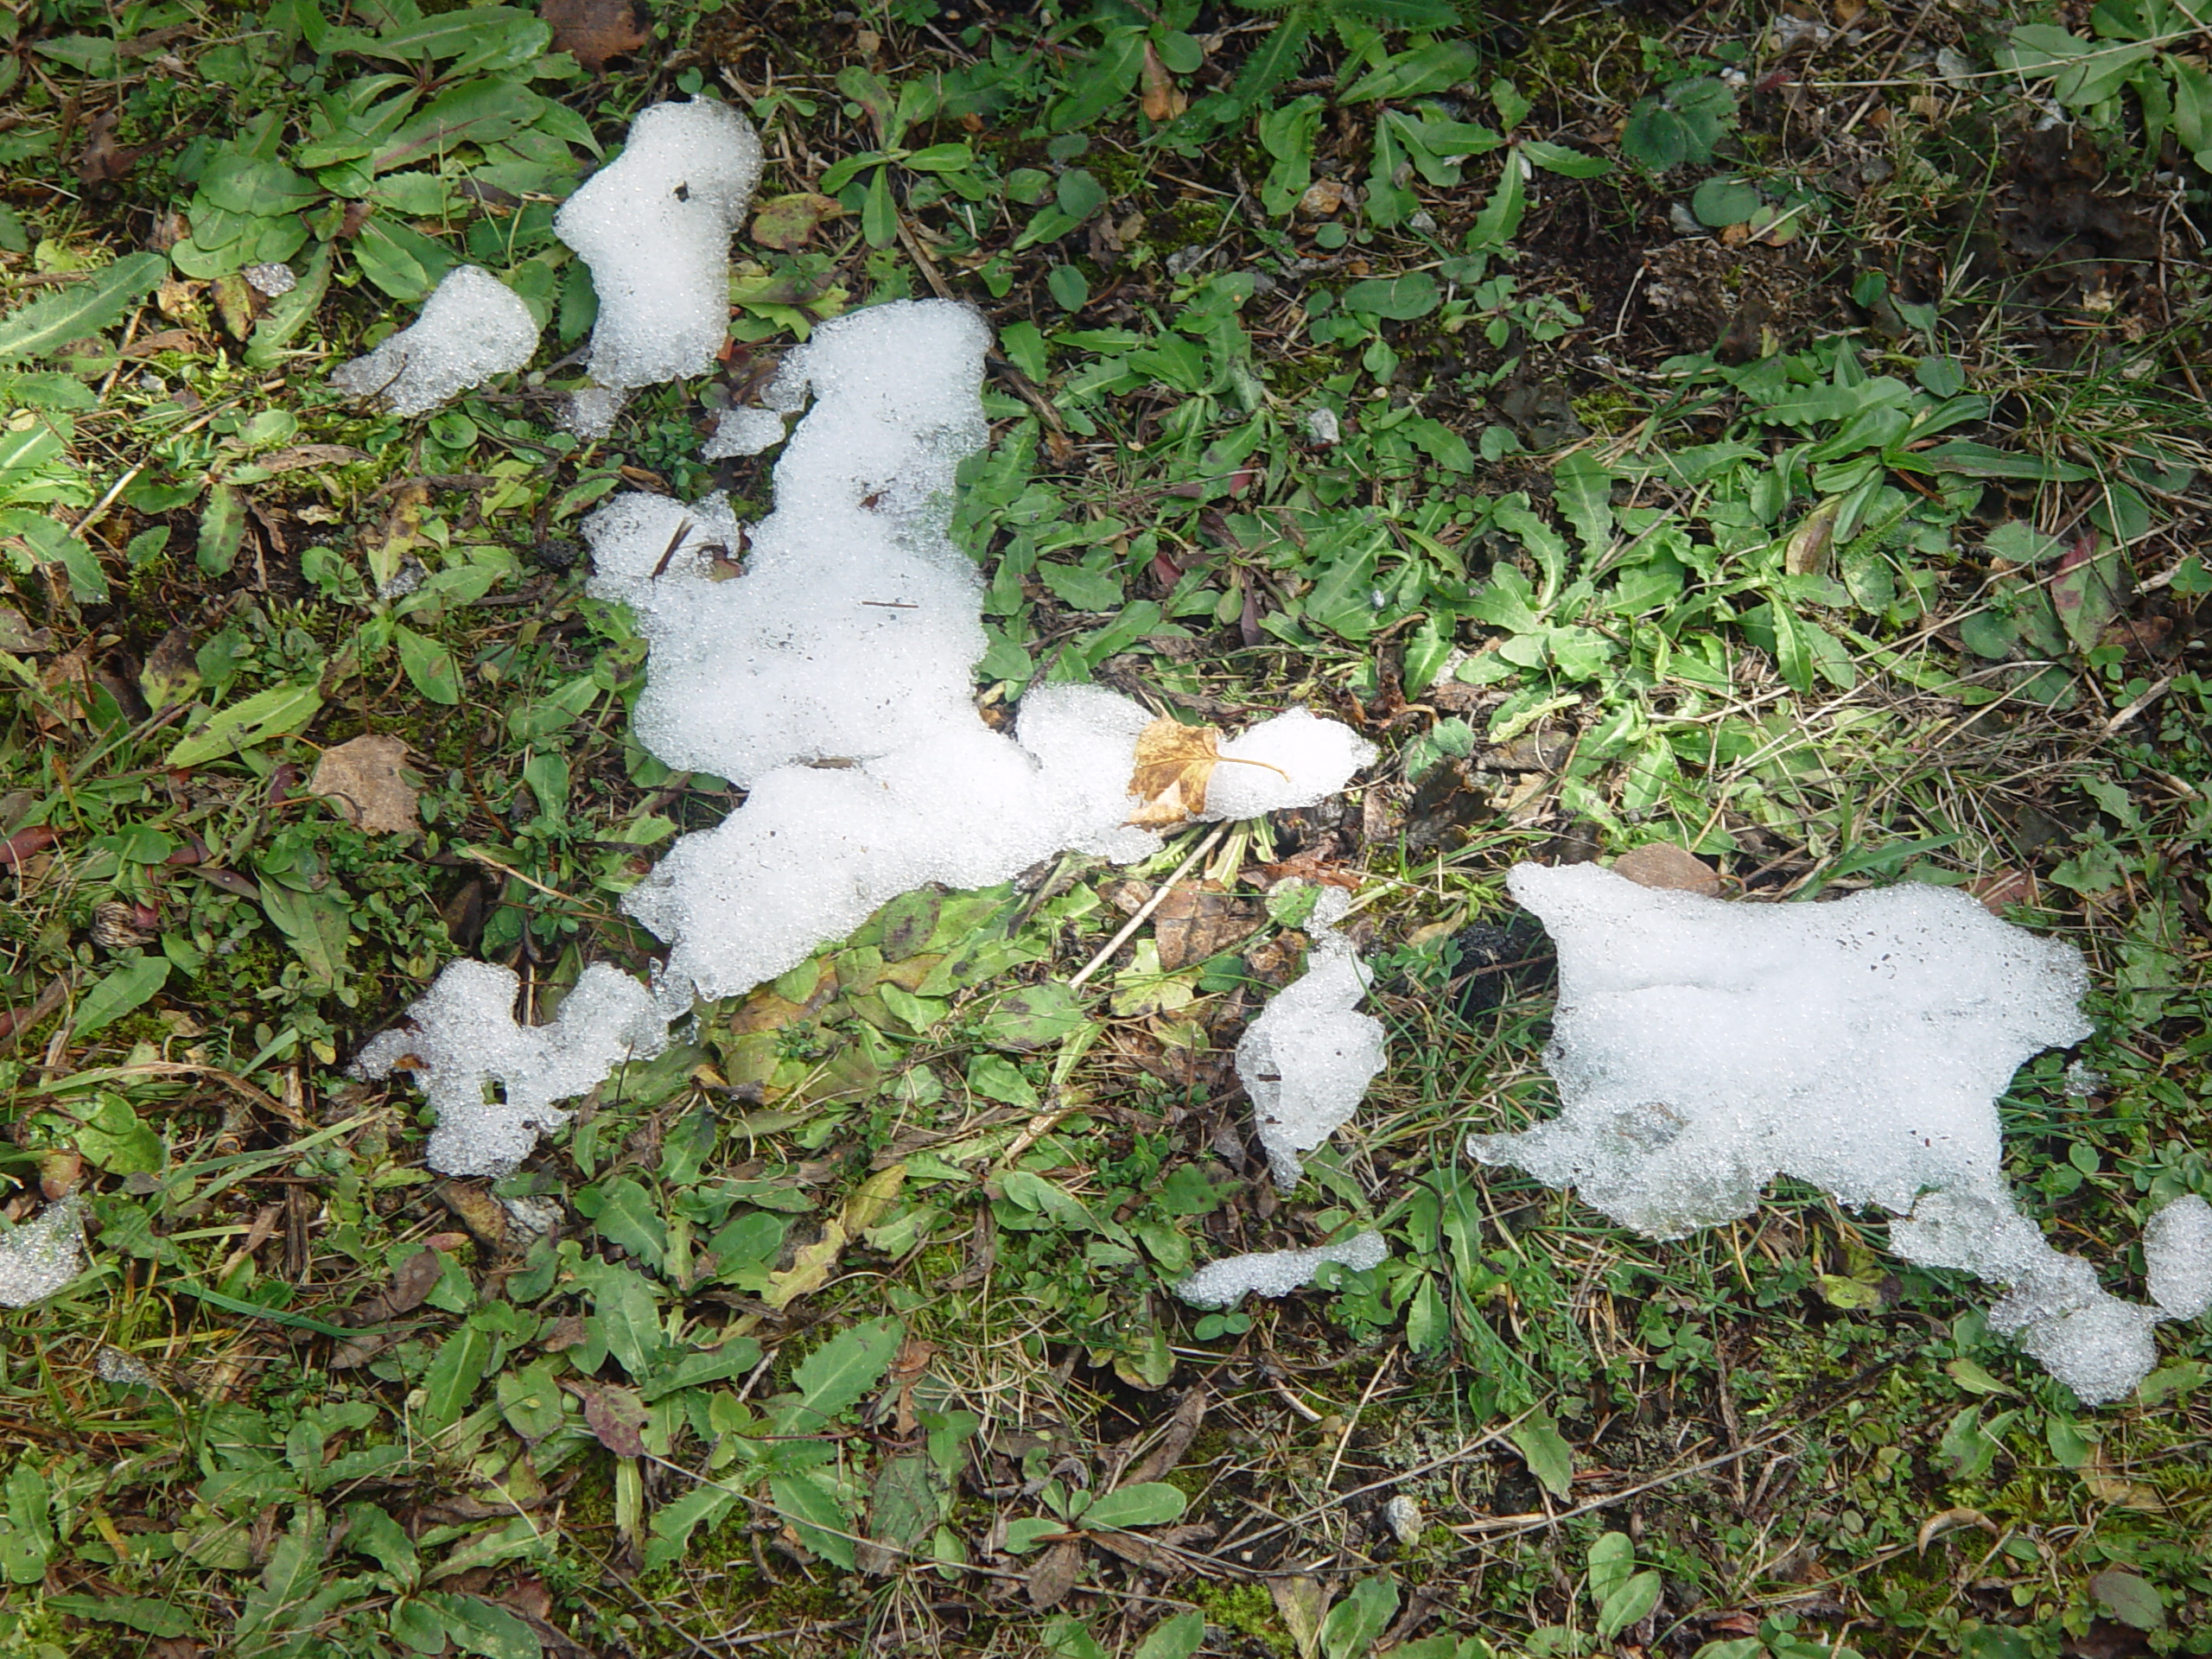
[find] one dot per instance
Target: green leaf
(118, 1140)
(878, 212)
(1852, 1295)
(1567, 163)
(1069, 286)
(1613, 1560)
(1023, 1536)
(622, 1302)
(1494, 227)
(453, 1375)
(476, 1625)
(1355, 1623)
(2089, 595)
(1633, 1600)
(481, 111)
(1722, 202)
(834, 1377)
(371, 1532)
(26, 1533)
(2132, 1600)
(625, 1215)
(903, 1506)
(125, 988)
(222, 528)
(274, 713)
(290, 313)
(1548, 1457)
(823, 1524)
(45, 326)
(1410, 75)
(674, 1524)
(315, 924)
(1147, 1504)
(430, 665)
(1174, 1638)
(159, 1619)
(1413, 294)
(1973, 1379)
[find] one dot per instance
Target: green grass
(841, 1287)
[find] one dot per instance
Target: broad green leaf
(314, 924)
(369, 1531)
(1567, 163)
(125, 988)
(26, 1531)
(834, 1377)
(430, 665)
(1174, 1638)
(222, 528)
(477, 1626)
(454, 1373)
(1974, 1379)
(1613, 1560)
(1583, 489)
(1357, 1623)
(1147, 1504)
(478, 112)
(824, 1523)
(1025, 1534)
(1547, 1455)
(1494, 227)
(1633, 1600)
(673, 1523)
(275, 713)
(902, 1503)
(117, 1139)
(1413, 294)
(144, 1613)
(626, 1214)
(622, 1303)
(102, 300)
(1410, 75)
(1723, 203)
(2132, 1600)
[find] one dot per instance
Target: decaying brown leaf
(614, 1414)
(810, 1269)
(1808, 553)
(172, 670)
(1054, 1575)
(1663, 865)
(1175, 763)
(788, 223)
(363, 776)
(102, 160)
(1162, 100)
(594, 31)
(1198, 920)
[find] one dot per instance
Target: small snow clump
(2178, 1257)
(1276, 1273)
(1307, 1059)
(466, 1038)
(42, 1255)
(654, 225)
(473, 327)
(1702, 1047)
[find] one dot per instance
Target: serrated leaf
(477, 1626)
(625, 1215)
(823, 1524)
(1549, 1458)
(371, 1532)
(144, 1613)
(833, 1379)
(622, 1302)
(45, 326)
(275, 713)
(454, 1373)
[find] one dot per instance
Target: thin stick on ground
(1144, 914)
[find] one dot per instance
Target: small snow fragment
(2081, 1082)
(115, 1365)
(1303, 759)
(743, 432)
(1402, 1516)
(591, 410)
(1702, 1047)
(1307, 1061)
(1276, 1273)
(494, 1082)
(41, 1256)
(654, 226)
(472, 327)
(2178, 1257)
(1323, 428)
(538, 1217)
(273, 280)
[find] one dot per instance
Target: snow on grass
(1276, 1273)
(1307, 1061)
(1703, 1047)
(473, 327)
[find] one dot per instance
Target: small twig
(1150, 905)
(2158, 688)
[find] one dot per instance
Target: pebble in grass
(1701, 1047)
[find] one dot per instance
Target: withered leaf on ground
(614, 1414)
(363, 777)
(1163, 99)
(1054, 1576)
(1198, 920)
(1174, 764)
(788, 223)
(412, 1281)
(172, 671)
(1661, 864)
(593, 31)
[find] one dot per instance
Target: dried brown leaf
(363, 777)
(788, 223)
(1198, 920)
(1162, 100)
(1054, 1575)
(1808, 553)
(1174, 764)
(614, 1414)
(593, 31)
(1660, 864)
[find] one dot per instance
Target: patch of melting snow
(473, 327)
(495, 1082)
(654, 225)
(823, 660)
(42, 1255)
(1276, 1273)
(1702, 1047)
(1307, 1061)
